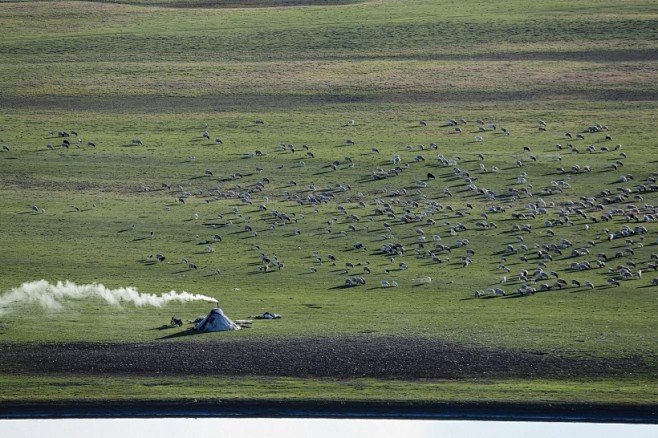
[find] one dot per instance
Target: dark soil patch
(353, 357)
(245, 102)
(217, 4)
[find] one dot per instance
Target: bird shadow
(343, 286)
(164, 327)
(513, 296)
(182, 271)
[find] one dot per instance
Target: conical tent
(216, 321)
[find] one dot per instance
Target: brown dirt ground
(235, 102)
(352, 357)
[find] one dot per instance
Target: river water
(315, 428)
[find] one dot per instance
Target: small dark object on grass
(176, 322)
(267, 315)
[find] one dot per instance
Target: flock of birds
(431, 224)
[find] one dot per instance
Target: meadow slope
(428, 173)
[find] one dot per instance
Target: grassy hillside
(267, 81)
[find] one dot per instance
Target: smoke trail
(50, 296)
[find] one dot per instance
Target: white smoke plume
(50, 296)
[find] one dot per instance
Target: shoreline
(552, 412)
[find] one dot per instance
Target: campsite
(445, 203)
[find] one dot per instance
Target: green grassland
(161, 72)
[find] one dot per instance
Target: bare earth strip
(237, 102)
(356, 357)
